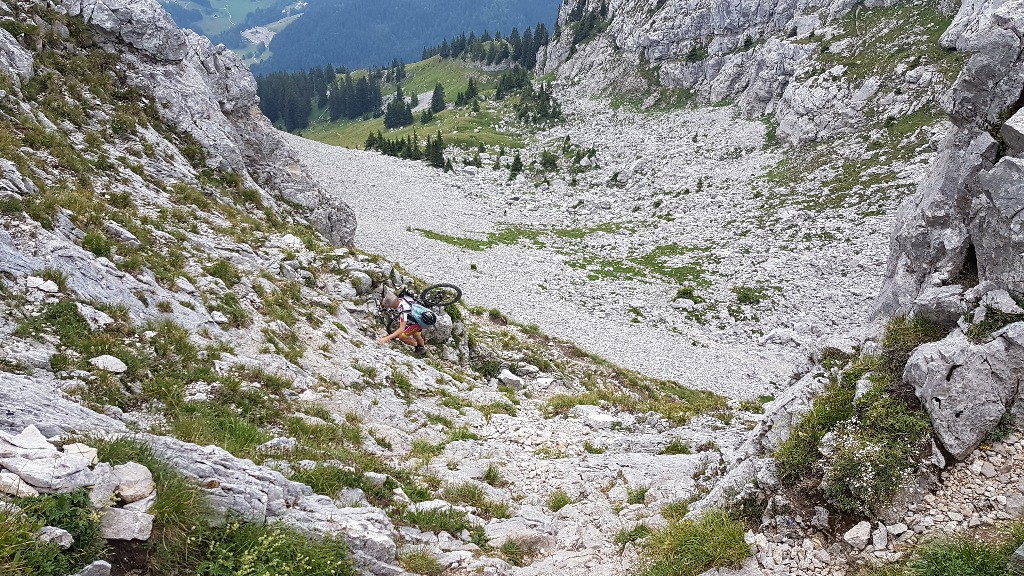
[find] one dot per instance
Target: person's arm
(393, 335)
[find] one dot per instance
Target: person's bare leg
(407, 340)
(419, 339)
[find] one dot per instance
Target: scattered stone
(96, 319)
(53, 535)
(511, 380)
(1016, 563)
(121, 524)
(858, 536)
(109, 363)
(82, 451)
(880, 537)
(134, 481)
(97, 568)
(61, 474)
(13, 485)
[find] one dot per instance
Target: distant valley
(275, 35)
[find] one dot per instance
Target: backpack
(422, 315)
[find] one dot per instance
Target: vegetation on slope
(859, 449)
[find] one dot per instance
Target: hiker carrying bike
(411, 315)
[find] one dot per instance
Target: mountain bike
(433, 296)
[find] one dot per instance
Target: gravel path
(689, 180)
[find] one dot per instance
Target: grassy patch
(632, 535)
(959, 554)
(691, 547)
(874, 439)
(677, 446)
(444, 520)
(421, 562)
(558, 500)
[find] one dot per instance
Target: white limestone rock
(134, 481)
(109, 363)
(122, 524)
(858, 536)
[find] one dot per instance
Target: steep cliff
(819, 68)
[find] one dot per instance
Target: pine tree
(448, 165)
(437, 100)
(436, 151)
(476, 105)
(516, 167)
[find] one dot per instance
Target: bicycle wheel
(440, 295)
(390, 320)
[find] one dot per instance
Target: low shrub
(874, 439)
(72, 512)
(278, 549)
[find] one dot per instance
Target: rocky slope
(181, 312)
(819, 68)
(163, 285)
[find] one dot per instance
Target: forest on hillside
(359, 34)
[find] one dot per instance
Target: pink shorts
(412, 329)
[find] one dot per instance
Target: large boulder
(968, 388)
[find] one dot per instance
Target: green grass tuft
(558, 500)
(691, 547)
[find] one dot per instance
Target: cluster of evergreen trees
(409, 148)
(398, 112)
(538, 106)
(586, 24)
(516, 48)
(289, 97)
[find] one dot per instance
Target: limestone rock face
(15, 61)
(967, 388)
(208, 92)
(763, 56)
(966, 217)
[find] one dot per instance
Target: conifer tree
(516, 167)
(437, 100)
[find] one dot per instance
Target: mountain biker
(409, 331)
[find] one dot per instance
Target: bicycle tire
(440, 295)
(393, 324)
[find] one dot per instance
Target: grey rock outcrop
(15, 61)
(763, 56)
(968, 388)
(966, 217)
(208, 92)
